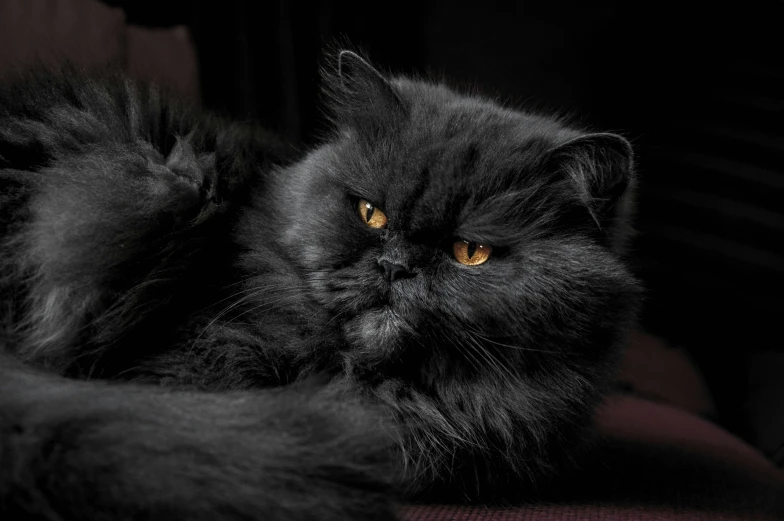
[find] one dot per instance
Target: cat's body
(196, 263)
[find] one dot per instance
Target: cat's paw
(194, 172)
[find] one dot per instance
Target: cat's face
(437, 225)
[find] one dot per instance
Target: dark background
(698, 89)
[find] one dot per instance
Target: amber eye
(471, 253)
(371, 215)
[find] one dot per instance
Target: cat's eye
(471, 253)
(371, 215)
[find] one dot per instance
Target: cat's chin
(377, 332)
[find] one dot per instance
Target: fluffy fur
(246, 355)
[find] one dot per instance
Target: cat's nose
(394, 271)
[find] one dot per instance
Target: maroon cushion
(576, 512)
(654, 462)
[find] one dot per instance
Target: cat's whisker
(254, 292)
(246, 290)
(241, 281)
(489, 359)
(221, 313)
(335, 316)
(488, 356)
(509, 346)
(265, 305)
(467, 353)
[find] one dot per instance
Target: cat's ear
(601, 167)
(362, 97)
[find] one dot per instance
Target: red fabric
(659, 424)
(566, 513)
(654, 462)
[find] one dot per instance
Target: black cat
(431, 302)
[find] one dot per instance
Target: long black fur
(195, 322)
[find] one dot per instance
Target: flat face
(447, 231)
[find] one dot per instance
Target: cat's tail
(89, 450)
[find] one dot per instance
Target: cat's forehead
(454, 156)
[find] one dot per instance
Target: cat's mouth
(383, 312)
(372, 300)
(388, 311)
